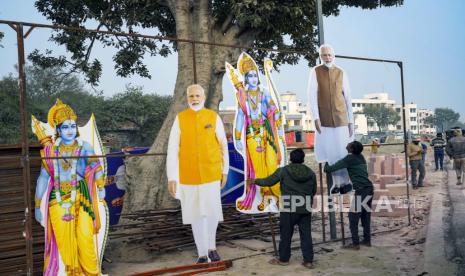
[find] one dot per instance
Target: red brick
(397, 189)
(375, 164)
(382, 185)
(398, 166)
(395, 209)
(374, 177)
(380, 192)
(389, 179)
(387, 165)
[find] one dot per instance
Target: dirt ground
(397, 249)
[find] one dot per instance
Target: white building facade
(411, 117)
(364, 125)
(298, 117)
(424, 127)
(296, 114)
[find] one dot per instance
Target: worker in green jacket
(298, 186)
(356, 166)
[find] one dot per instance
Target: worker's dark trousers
(359, 212)
(439, 159)
(287, 221)
(417, 165)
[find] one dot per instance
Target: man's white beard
(198, 106)
(329, 64)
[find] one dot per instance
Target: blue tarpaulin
(233, 189)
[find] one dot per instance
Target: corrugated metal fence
(12, 245)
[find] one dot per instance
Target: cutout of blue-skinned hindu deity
(258, 133)
(69, 199)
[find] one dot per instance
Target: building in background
(296, 113)
(425, 128)
(299, 123)
(362, 124)
(411, 117)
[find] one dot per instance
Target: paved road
(457, 219)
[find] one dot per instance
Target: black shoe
(335, 190)
(202, 260)
(351, 246)
(346, 188)
(214, 256)
(365, 243)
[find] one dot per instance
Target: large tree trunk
(147, 175)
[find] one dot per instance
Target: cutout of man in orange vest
(197, 168)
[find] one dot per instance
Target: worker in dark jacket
(456, 150)
(298, 186)
(356, 166)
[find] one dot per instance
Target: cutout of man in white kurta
(331, 107)
(200, 202)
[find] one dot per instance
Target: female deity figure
(69, 195)
(258, 134)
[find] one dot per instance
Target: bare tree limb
(227, 23)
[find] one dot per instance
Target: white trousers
(204, 231)
(330, 146)
(199, 201)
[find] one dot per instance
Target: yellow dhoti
(75, 238)
(264, 163)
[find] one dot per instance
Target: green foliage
(444, 118)
(287, 24)
(137, 112)
(9, 111)
(383, 116)
(43, 87)
(141, 113)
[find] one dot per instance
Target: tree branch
(89, 49)
(227, 23)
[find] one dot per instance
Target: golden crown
(59, 113)
(246, 64)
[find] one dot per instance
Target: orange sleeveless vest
(200, 154)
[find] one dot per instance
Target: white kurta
(203, 200)
(330, 144)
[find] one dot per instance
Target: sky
(426, 35)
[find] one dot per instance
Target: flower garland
(56, 177)
(258, 137)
